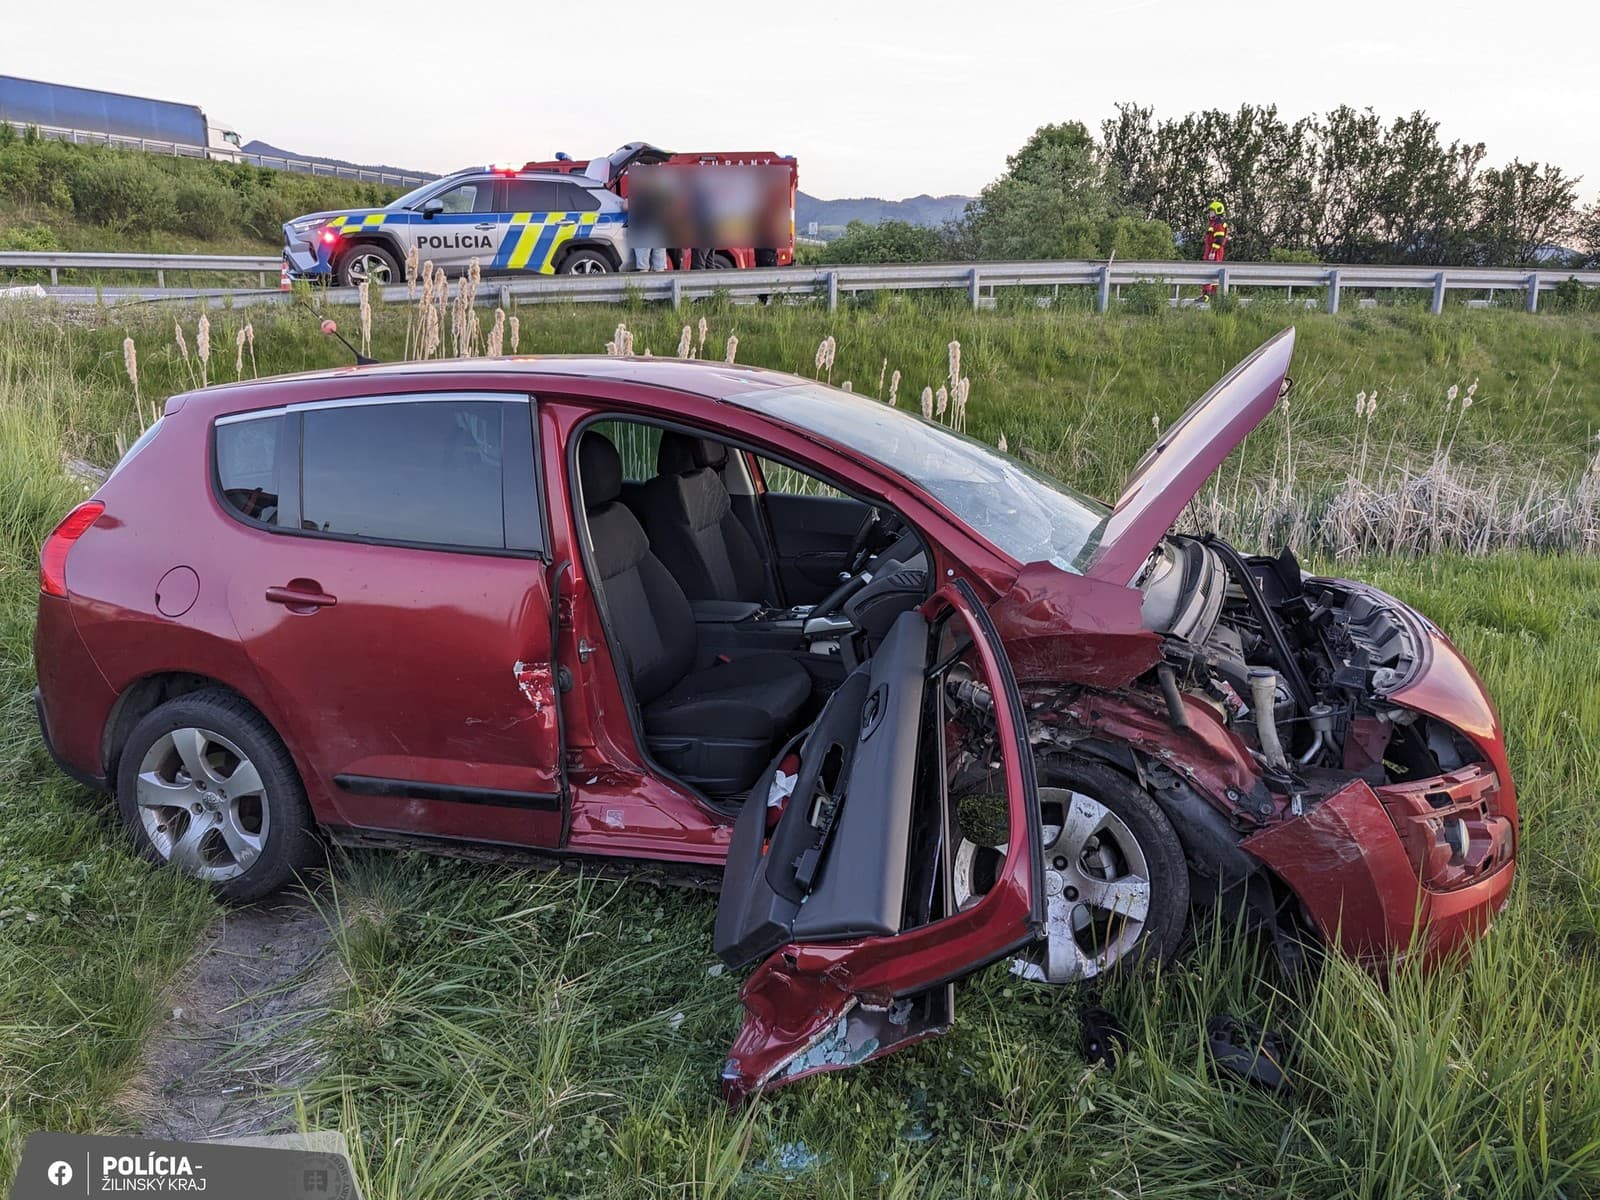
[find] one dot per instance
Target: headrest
(599, 470)
(680, 454)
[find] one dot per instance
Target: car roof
(542, 173)
(714, 381)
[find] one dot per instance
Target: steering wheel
(875, 534)
(861, 545)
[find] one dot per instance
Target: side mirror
(432, 207)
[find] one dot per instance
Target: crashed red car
(923, 707)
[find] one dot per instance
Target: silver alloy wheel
(589, 266)
(365, 265)
(1096, 882)
(202, 804)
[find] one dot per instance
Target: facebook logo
(59, 1173)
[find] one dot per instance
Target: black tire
(585, 262)
(277, 811)
(721, 260)
(1168, 915)
(367, 260)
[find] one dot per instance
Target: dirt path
(234, 1027)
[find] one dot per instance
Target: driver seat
(693, 530)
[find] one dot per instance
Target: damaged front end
(1321, 729)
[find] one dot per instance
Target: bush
(208, 209)
(127, 191)
(886, 242)
(124, 192)
(29, 237)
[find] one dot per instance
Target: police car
(512, 220)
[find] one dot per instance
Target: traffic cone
(283, 277)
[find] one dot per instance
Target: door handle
(485, 225)
(301, 596)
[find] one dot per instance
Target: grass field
(502, 1032)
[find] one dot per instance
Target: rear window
(426, 471)
(247, 466)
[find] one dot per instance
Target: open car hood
(1178, 465)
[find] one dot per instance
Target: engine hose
(1169, 692)
(1240, 570)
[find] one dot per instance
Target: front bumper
(1345, 861)
(305, 262)
(1347, 858)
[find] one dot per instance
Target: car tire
(721, 260)
(585, 262)
(367, 261)
(240, 821)
(1116, 879)
(1168, 868)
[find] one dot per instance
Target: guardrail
(828, 282)
(50, 260)
(296, 166)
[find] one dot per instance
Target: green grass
(503, 1032)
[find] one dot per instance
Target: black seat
(693, 529)
(715, 724)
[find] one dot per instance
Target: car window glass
(473, 196)
(572, 198)
(637, 446)
(786, 481)
(247, 466)
(424, 471)
(530, 195)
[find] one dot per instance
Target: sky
(874, 98)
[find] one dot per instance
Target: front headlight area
(1450, 818)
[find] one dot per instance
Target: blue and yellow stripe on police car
(532, 239)
(370, 221)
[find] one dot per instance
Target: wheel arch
(1221, 872)
(599, 244)
(147, 693)
(375, 237)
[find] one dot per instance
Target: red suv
(921, 706)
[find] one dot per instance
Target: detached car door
(846, 899)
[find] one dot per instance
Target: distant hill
(267, 150)
(836, 214)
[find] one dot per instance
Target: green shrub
(127, 191)
(207, 208)
(122, 191)
(29, 237)
(1147, 297)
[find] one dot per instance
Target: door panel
(469, 227)
(812, 536)
(415, 683)
(847, 899)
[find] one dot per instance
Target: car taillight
(53, 554)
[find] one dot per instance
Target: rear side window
(247, 466)
(426, 471)
(530, 195)
(547, 195)
(572, 198)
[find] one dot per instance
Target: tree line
(1343, 186)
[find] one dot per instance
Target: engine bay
(1301, 668)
